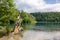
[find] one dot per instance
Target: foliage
(7, 11)
(47, 16)
(8, 15)
(27, 18)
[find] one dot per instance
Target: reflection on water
(48, 25)
(38, 35)
(35, 35)
(41, 35)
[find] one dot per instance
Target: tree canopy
(27, 18)
(7, 11)
(47, 16)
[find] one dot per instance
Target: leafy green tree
(8, 14)
(27, 19)
(7, 11)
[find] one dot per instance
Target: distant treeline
(47, 16)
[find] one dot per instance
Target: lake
(42, 35)
(46, 26)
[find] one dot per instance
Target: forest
(47, 16)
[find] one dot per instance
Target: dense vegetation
(8, 16)
(7, 12)
(27, 18)
(47, 16)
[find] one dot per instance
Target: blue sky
(38, 5)
(50, 1)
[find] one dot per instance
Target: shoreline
(11, 37)
(45, 29)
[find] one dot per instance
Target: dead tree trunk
(17, 27)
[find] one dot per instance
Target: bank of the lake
(12, 37)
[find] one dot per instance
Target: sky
(38, 5)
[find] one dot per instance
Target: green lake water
(40, 34)
(47, 25)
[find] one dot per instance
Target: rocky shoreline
(12, 36)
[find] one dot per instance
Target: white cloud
(58, 1)
(38, 5)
